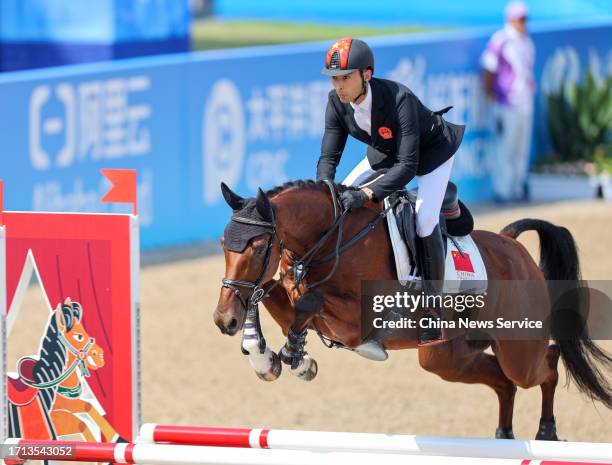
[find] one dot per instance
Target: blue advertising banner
(438, 13)
(251, 117)
(35, 33)
(95, 22)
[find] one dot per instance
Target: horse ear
(233, 200)
(263, 205)
(68, 301)
(77, 310)
(59, 318)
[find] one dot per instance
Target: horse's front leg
(263, 360)
(279, 307)
(292, 353)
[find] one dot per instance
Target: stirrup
(372, 350)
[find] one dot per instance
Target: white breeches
(430, 194)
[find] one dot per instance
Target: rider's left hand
(353, 199)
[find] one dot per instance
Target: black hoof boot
(504, 433)
(292, 353)
(547, 430)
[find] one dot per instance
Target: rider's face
(348, 87)
(520, 24)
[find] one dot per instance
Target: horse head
(75, 338)
(252, 254)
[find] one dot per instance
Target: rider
(403, 136)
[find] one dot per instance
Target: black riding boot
(433, 256)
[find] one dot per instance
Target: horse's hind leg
(459, 361)
(548, 429)
(533, 363)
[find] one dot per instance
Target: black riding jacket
(407, 138)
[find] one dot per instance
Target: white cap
(516, 10)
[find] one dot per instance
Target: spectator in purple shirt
(508, 77)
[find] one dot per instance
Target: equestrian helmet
(347, 55)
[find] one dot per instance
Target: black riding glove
(353, 199)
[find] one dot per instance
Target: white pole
(378, 443)
(442, 446)
(155, 454)
(168, 454)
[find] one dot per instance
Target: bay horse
(44, 402)
(279, 228)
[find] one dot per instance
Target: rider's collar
(512, 32)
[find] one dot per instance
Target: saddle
(27, 416)
(455, 218)
(20, 393)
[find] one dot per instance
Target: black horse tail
(583, 359)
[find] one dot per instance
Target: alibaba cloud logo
(224, 139)
(44, 127)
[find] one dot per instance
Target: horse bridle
(258, 292)
(80, 360)
(299, 267)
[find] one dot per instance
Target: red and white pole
(165, 454)
(376, 443)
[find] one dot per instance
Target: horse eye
(78, 337)
(259, 250)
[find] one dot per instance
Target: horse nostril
(233, 324)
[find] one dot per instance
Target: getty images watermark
(502, 310)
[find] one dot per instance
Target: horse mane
(52, 356)
(307, 184)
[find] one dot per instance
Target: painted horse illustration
(324, 254)
(46, 397)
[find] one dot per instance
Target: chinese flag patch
(342, 46)
(385, 132)
(462, 263)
